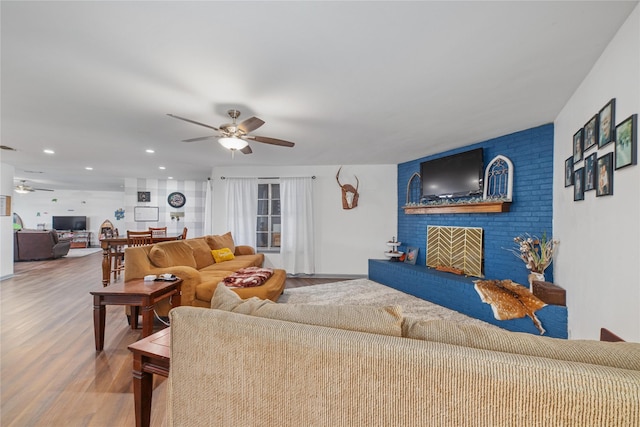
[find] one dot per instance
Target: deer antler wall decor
(349, 193)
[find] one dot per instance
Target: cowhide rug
(509, 300)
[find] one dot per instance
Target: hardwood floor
(50, 372)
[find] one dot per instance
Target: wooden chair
(184, 233)
(116, 254)
(158, 232)
(138, 238)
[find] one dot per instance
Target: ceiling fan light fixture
(233, 143)
(21, 190)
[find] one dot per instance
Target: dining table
(111, 244)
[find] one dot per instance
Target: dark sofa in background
(34, 245)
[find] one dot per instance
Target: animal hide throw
(248, 277)
(509, 300)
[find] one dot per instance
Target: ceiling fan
(235, 136)
(23, 188)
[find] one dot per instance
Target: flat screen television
(457, 175)
(73, 223)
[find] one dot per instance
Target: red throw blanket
(248, 277)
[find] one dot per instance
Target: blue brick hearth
(531, 152)
(458, 293)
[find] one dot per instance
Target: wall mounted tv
(457, 175)
(73, 223)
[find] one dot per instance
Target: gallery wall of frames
(591, 169)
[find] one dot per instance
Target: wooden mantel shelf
(484, 207)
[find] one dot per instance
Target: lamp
(233, 143)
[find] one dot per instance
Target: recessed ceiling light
(162, 168)
(89, 168)
(150, 151)
(170, 177)
(49, 151)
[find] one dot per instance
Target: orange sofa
(192, 261)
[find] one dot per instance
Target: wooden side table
(151, 355)
(137, 294)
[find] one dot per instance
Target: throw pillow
(201, 252)
(375, 320)
(219, 242)
(169, 254)
(221, 255)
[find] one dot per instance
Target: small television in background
(73, 223)
(457, 175)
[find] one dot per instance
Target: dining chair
(116, 256)
(138, 238)
(158, 232)
(184, 233)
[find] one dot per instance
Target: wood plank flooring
(50, 373)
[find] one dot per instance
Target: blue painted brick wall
(531, 152)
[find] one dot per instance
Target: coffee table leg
(99, 313)
(147, 320)
(133, 313)
(142, 392)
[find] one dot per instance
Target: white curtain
(297, 242)
(208, 213)
(242, 209)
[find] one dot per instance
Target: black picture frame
(626, 148)
(411, 255)
(591, 133)
(578, 185)
(606, 123)
(578, 146)
(604, 170)
(144, 196)
(568, 172)
(590, 172)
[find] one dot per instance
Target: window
(268, 226)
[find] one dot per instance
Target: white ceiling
(348, 82)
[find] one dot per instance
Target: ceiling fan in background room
(23, 188)
(235, 136)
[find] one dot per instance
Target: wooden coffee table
(151, 355)
(136, 294)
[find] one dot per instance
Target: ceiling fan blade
(272, 141)
(202, 138)
(251, 124)
(246, 150)
(192, 121)
(42, 189)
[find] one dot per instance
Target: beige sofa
(192, 261)
(243, 364)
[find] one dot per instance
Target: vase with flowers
(537, 254)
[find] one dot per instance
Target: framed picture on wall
(590, 172)
(144, 196)
(606, 123)
(578, 145)
(578, 185)
(568, 172)
(411, 255)
(604, 169)
(591, 133)
(627, 142)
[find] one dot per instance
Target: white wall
(6, 222)
(39, 206)
(598, 261)
(345, 239)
